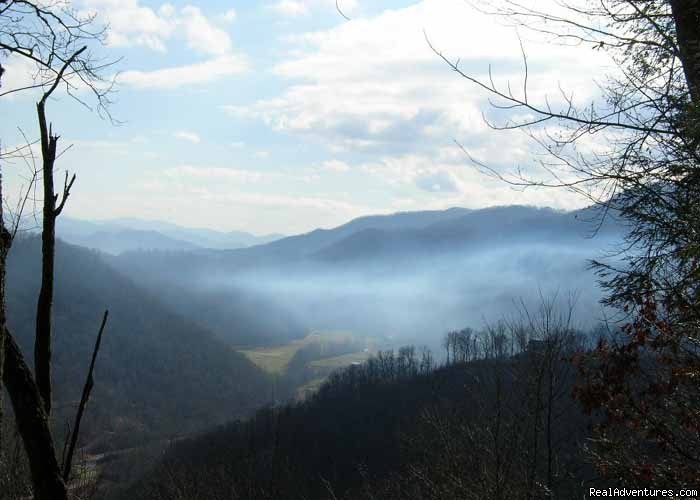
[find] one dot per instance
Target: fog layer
(406, 280)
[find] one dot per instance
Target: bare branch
(87, 389)
(67, 185)
(59, 75)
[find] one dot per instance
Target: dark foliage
(394, 428)
(158, 375)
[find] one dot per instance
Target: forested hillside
(498, 422)
(159, 374)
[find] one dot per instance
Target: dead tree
(52, 209)
(5, 241)
(58, 41)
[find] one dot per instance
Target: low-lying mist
(418, 299)
(411, 277)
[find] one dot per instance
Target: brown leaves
(645, 390)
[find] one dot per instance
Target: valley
(201, 337)
(349, 250)
(219, 333)
(302, 366)
(275, 359)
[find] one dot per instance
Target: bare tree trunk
(686, 14)
(30, 393)
(31, 397)
(550, 404)
(5, 241)
(87, 389)
(4, 249)
(534, 448)
(33, 424)
(42, 340)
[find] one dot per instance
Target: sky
(281, 116)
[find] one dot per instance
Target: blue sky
(282, 116)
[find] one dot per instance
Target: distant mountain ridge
(127, 234)
(430, 230)
(318, 239)
(496, 225)
(410, 272)
(117, 241)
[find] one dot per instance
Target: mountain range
(419, 273)
(125, 234)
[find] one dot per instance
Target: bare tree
(58, 41)
(648, 117)
(49, 34)
(5, 241)
(649, 177)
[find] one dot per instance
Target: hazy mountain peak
(127, 234)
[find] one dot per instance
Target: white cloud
(442, 179)
(202, 36)
(184, 135)
(18, 75)
(191, 74)
(252, 198)
(368, 88)
(133, 24)
(375, 84)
